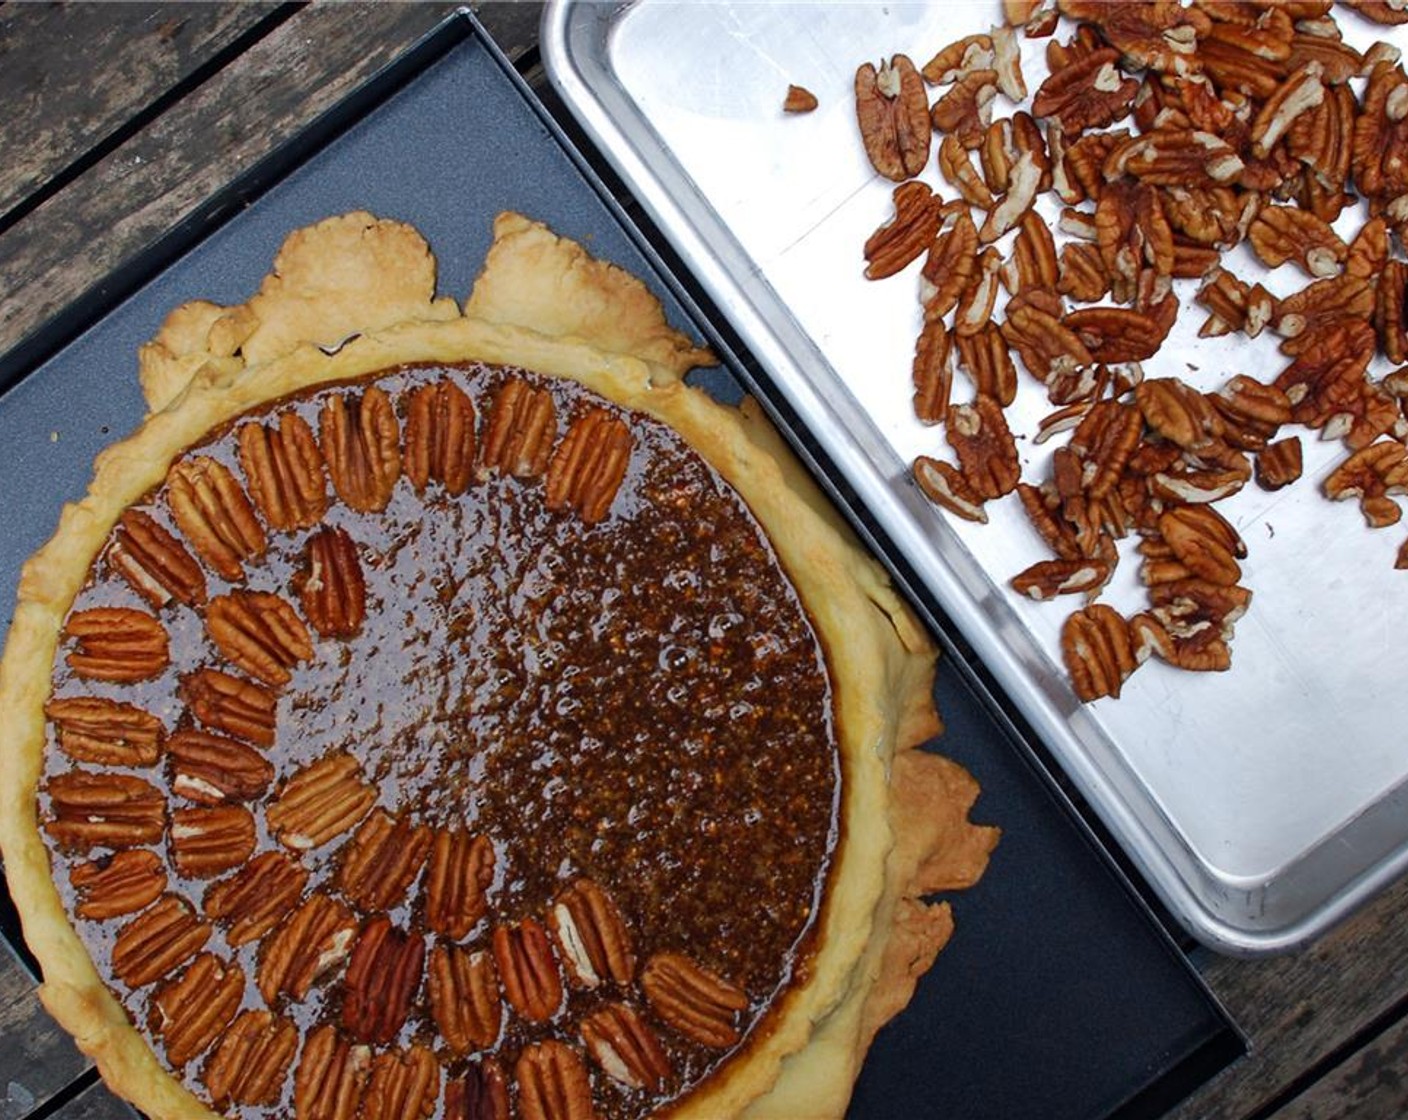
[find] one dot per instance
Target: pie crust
(355, 295)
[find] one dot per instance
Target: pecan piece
(892, 111)
(1175, 157)
(949, 268)
(383, 977)
(1371, 475)
(321, 801)
(965, 111)
(987, 453)
(694, 1000)
(552, 1083)
(440, 437)
(251, 1063)
(1368, 253)
(1327, 376)
(211, 510)
(480, 1094)
(1034, 263)
(362, 446)
(1251, 412)
(1388, 12)
(404, 1084)
(956, 166)
(154, 562)
(1279, 464)
(383, 858)
(519, 433)
(285, 472)
(232, 705)
(464, 997)
(589, 465)
(907, 234)
(932, 372)
(528, 970)
(331, 586)
(207, 840)
(799, 99)
(461, 871)
(1300, 92)
(117, 884)
(625, 1048)
(1391, 311)
(1203, 542)
(259, 633)
(989, 363)
(103, 810)
(1098, 651)
(257, 897)
(314, 938)
(1180, 414)
(117, 644)
(157, 942)
(189, 1013)
(211, 770)
(963, 56)
(1117, 334)
(1235, 305)
(107, 732)
(1090, 93)
(977, 300)
(1083, 276)
(1285, 233)
(1016, 203)
(591, 935)
(330, 1077)
(945, 486)
(1324, 303)
(1048, 578)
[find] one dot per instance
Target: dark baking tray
(1061, 995)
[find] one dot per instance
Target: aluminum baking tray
(1263, 803)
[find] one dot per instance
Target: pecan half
(1251, 412)
(103, 810)
(116, 644)
(625, 1048)
(189, 1013)
(694, 1000)
(251, 1063)
(464, 997)
(383, 858)
(892, 111)
(907, 234)
(945, 486)
(314, 938)
(480, 1094)
(440, 437)
(1285, 233)
(1048, 578)
(1371, 475)
(1203, 541)
(260, 633)
(330, 1077)
(1117, 334)
(519, 433)
(956, 166)
(211, 770)
(1087, 94)
(116, 884)
(232, 705)
(285, 472)
(157, 942)
(552, 1083)
(330, 584)
(1175, 157)
(461, 871)
(256, 898)
(972, 52)
(321, 801)
(404, 1084)
(989, 363)
(1098, 651)
(932, 372)
(154, 562)
(1179, 413)
(383, 977)
(987, 453)
(528, 970)
(110, 733)
(965, 111)
(1391, 311)
(1389, 12)
(591, 936)
(1368, 253)
(207, 840)
(211, 510)
(949, 268)
(1279, 464)
(1034, 263)
(589, 465)
(362, 446)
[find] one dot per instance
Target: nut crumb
(799, 100)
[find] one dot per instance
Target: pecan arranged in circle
(189, 1013)
(214, 514)
(383, 977)
(589, 465)
(520, 431)
(208, 840)
(259, 633)
(210, 769)
(158, 941)
(154, 562)
(362, 447)
(330, 1077)
(591, 935)
(331, 586)
(385, 855)
(440, 437)
(323, 800)
(251, 1062)
(624, 1047)
(121, 883)
(116, 644)
(461, 870)
(314, 938)
(528, 969)
(285, 472)
(464, 997)
(553, 1083)
(403, 1083)
(694, 1000)
(107, 732)
(257, 897)
(89, 810)
(230, 704)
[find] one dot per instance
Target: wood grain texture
(71, 75)
(95, 1103)
(1371, 1083)
(1300, 1008)
(37, 1059)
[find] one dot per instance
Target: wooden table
(120, 119)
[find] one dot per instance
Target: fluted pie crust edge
(365, 287)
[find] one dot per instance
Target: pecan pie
(440, 713)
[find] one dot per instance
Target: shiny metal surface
(1262, 803)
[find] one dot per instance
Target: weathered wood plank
(95, 1103)
(1300, 1008)
(1373, 1082)
(37, 1059)
(73, 74)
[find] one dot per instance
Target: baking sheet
(1053, 949)
(1261, 803)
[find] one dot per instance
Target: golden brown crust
(602, 328)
